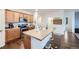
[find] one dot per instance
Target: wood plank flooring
(67, 41)
(17, 44)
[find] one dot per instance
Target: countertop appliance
(9, 25)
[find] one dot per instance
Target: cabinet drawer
(12, 34)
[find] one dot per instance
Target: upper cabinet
(13, 16)
(16, 17)
(9, 16)
(31, 18)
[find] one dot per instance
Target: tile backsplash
(16, 24)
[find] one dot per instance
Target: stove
(23, 27)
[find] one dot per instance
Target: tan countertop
(39, 35)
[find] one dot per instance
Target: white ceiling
(42, 10)
(49, 10)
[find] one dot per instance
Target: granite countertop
(39, 35)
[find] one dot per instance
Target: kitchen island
(36, 39)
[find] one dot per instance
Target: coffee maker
(11, 25)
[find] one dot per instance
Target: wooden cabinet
(16, 17)
(12, 34)
(27, 42)
(9, 16)
(31, 18)
(13, 16)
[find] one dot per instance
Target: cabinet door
(8, 33)
(9, 36)
(9, 16)
(31, 18)
(16, 17)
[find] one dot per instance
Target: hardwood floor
(17, 44)
(66, 41)
(60, 42)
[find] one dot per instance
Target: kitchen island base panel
(37, 44)
(27, 42)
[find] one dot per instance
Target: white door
(2, 28)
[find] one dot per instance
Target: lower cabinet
(12, 34)
(27, 41)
